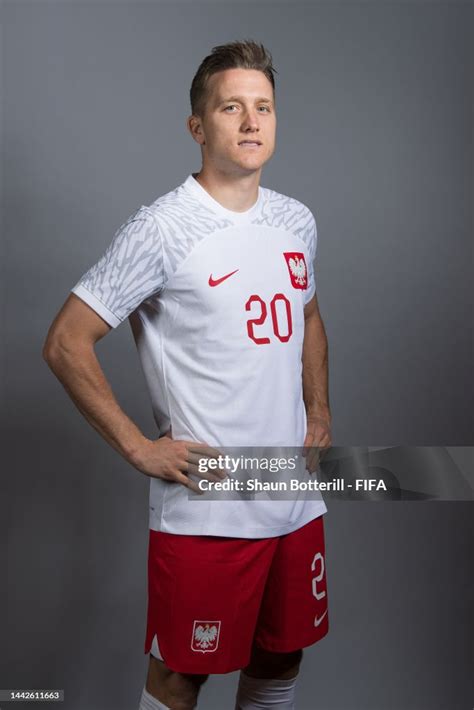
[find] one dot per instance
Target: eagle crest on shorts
(205, 635)
(297, 269)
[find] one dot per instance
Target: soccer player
(216, 278)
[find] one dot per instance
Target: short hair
(246, 54)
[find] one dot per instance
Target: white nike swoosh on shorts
(318, 621)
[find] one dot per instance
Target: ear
(195, 128)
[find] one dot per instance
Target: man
(217, 279)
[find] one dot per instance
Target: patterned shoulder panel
(183, 221)
(130, 269)
(283, 211)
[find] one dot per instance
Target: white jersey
(215, 299)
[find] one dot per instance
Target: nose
(250, 121)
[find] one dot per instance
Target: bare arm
(69, 352)
(315, 380)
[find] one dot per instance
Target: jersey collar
(192, 185)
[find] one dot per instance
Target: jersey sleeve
(311, 241)
(130, 271)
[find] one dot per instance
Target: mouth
(250, 144)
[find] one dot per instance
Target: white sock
(148, 702)
(257, 693)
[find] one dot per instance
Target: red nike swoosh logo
(216, 282)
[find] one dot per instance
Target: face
(239, 107)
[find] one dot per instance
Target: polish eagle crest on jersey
(297, 269)
(205, 636)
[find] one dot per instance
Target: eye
(265, 108)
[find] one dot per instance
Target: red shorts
(210, 597)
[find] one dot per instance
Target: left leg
(293, 614)
(269, 680)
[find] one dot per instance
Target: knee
(183, 689)
(269, 664)
(177, 690)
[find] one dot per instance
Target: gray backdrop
(374, 135)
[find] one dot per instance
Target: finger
(324, 451)
(203, 449)
(308, 460)
(193, 470)
(312, 467)
(196, 460)
(313, 459)
(324, 440)
(307, 444)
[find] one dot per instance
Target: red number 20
(263, 315)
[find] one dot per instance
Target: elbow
(49, 352)
(54, 349)
(61, 348)
(47, 348)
